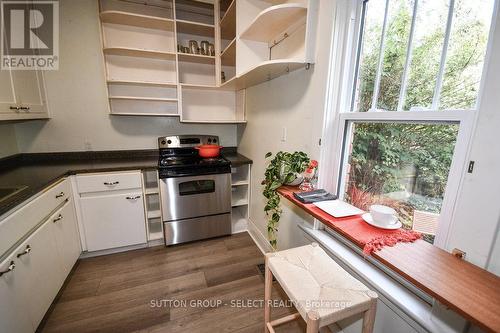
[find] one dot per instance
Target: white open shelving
(255, 41)
(148, 76)
(240, 194)
(152, 205)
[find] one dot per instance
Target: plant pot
(299, 178)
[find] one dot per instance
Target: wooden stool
(321, 290)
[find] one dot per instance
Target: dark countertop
(35, 172)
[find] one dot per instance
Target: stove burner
(177, 160)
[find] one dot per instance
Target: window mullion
(439, 82)
(409, 51)
(380, 58)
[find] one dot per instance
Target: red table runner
(367, 237)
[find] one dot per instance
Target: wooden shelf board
(228, 22)
(154, 214)
(155, 235)
(151, 191)
(228, 56)
(144, 114)
(263, 72)
(195, 28)
(240, 183)
(273, 21)
(144, 83)
(239, 203)
(213, 121)
(131, 52)
(197, 58)
(156, 99)
(137, 20)
(198, 86)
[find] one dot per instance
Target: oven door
(194, 196)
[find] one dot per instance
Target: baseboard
(259, 239)
(87, 254)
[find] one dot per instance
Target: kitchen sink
(6, 192)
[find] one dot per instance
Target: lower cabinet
(14, 298)
(65, 229)
(33, 273)
(113, 220)
(42, 266)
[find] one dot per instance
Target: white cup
(383, 215)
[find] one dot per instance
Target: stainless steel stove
(195, 192)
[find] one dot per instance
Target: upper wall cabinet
(22, 95)
(264, 39)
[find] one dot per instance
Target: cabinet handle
(26, 251)
(17, 108)
(59, 218)
(60, 195)
(9, 269)
(111, 183)
(25, 108)
(133, 198)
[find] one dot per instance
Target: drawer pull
(133, 198)
(26, 251)
(9, 269)
(60, 195)
(17, 108)
(58, 218)
(111, 183)
(25, 108)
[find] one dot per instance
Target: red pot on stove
(208, 151)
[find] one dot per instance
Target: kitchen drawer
(104, 182)
(22, 221)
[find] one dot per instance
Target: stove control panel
(187, 141)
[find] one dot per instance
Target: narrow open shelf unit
(152, 205)
(137, 20)
(240, 194)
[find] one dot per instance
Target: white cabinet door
(43, 271)
(30, 91)
(113, 220)
(22, 95)
(7, 93)
(66, 235)
(13, 298)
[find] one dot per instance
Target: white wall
(78, 103)
(478, 207)
(8, 144)
(295, 102)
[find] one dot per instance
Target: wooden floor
(153, 290)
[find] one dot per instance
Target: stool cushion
(315, 282)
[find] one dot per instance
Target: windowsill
(465, 288)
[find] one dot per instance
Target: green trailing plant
(282, 169)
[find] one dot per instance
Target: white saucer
(368, 219)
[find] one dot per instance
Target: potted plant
(284, 168)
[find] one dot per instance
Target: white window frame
(337, 131)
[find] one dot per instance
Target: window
(405, 118)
